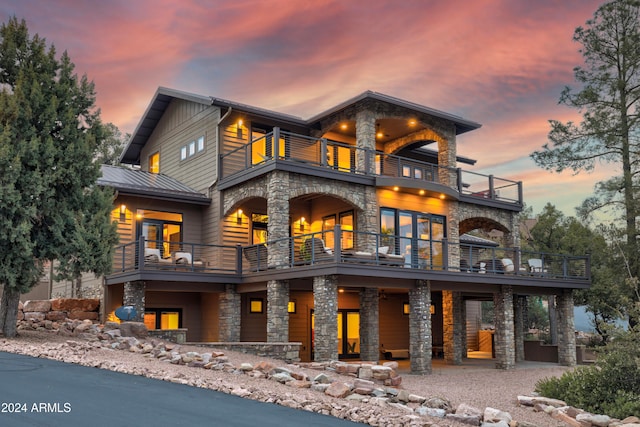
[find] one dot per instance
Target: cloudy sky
(501, 63)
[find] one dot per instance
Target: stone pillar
(230, 310)
(447, 174)
(369, 321)
(367, 221)
(420, 340)
(278, 211)
(566, 329)
(520, 303)
(325, 300)
(504, 337)
(277, 313)
(365, 139)
(453, 327)
(134, 296)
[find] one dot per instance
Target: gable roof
(159, 103)
(136, 182)
(462, 125)
(163, 97)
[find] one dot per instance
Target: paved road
(50, 393)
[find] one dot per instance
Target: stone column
(325, 300)
(504, 337)
(520, 303)
(365, 139)
(367, 221)
(277, 314)
(447, 158)
(453, 327)
(278, 212)
(369, 321)
(230, 310)
(566, 329)
(420, 340)
(134, 296)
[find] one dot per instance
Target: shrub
(611, 386)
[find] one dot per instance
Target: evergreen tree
(50, 207)
(608, 98)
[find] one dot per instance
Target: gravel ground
(475, 383)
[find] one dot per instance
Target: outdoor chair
(257, 256)
(535, 265)
(314, 250)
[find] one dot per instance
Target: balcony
(346, 252)
(335, 160)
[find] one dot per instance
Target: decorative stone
(282, 377)
(473, 420)
(431, 412)
(83, 315)
(494, 415)
(464, 409)
(33, 316)
(549, 402)
(56, 316)
(338, 389)
(37, 305)
(75, 304)
(133, 329)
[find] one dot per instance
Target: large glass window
(419, 234)
(262, 146)
(161, 230)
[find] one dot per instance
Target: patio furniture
(153, 256)
(535, 265)
(257, 256)
(314, 250)
(185, 259)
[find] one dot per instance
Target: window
(328, 225)
(419, 234)
(346, 224)
(163, 318)
(192, 148)
(255, 305)
(161, 230)
(154, 162)
(259, 223)
(262, 146)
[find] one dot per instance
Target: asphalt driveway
(42, 392)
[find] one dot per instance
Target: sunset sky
(501, 63)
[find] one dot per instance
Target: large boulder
(133, 329)
(37, 305)
(75, 304)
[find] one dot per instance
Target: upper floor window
(154, 162)
(192, 148)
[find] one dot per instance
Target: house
(339, 234)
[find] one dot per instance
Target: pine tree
(608, 98)
(50, 207)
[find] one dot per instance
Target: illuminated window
(259, 225)
(163, 318)
(405, 308)
(291, 307)
(154, 162)
(192, 148)
(255, 305)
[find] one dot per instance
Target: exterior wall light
(302, 224)
(123, 213)
(239, 217)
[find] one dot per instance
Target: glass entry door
(348, 333)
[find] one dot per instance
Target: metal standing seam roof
(146, 184)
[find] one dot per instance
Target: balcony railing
(323, 153)
(349, 247)
(175, 256)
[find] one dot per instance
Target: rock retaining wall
(47, 314)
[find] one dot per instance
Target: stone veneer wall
(277, 313)
(134, 296)
(369, 324)
(420, 336)
(230, 314)
(453, 322)
(325, 299)
(287, 351)
(505, 331)
(566, 329)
